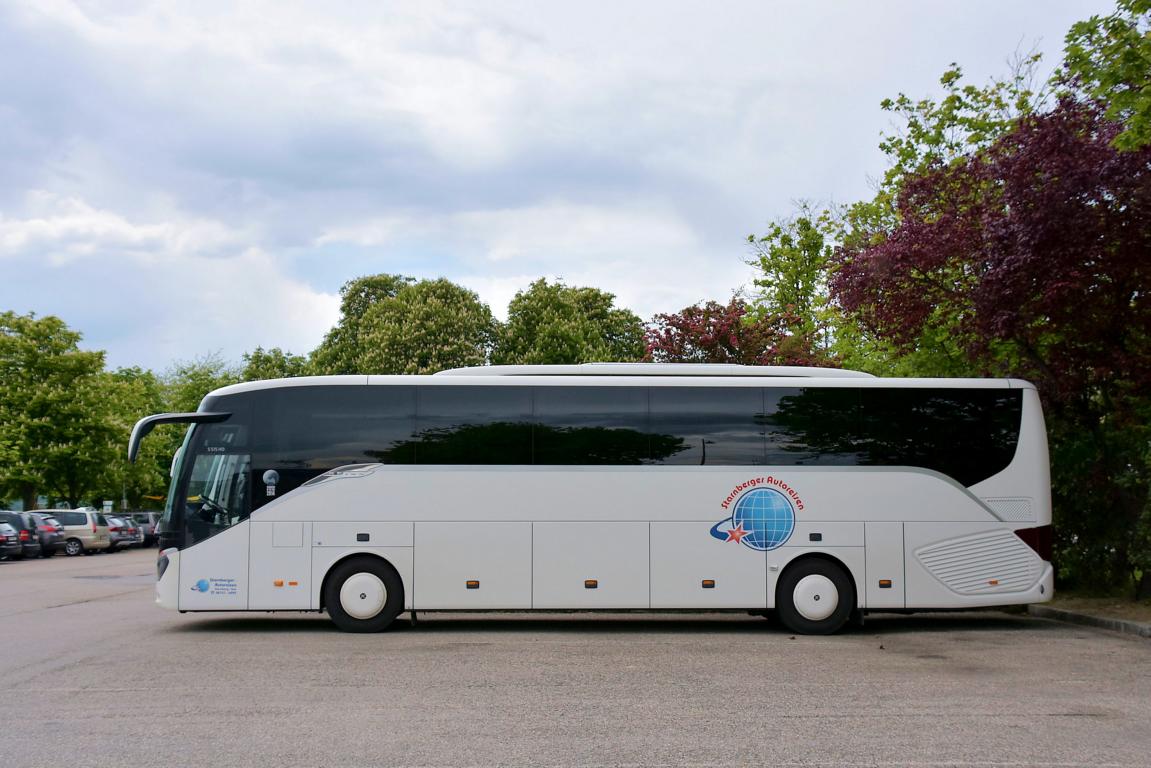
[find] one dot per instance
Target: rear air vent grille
(985, 563)
(1012, 510)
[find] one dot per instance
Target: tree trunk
(28, 497)
(1143, 587)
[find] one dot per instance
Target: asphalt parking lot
(94, 675)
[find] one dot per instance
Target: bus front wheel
(814, 597)
(363, 594)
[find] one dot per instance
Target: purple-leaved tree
(1036, 254)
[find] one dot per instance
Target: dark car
(51, 533)
(25, 526)
(10, 548)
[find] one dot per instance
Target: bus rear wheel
(363, 594)
(814, 597)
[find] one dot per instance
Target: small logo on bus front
(762, 518)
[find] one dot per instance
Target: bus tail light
(1039, 539)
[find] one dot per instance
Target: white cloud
(562, 232)
(543, 232)
(67, 228)
(235, 305)
(646, 254)
(196, 286)
(224, 167)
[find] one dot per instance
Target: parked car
(85, 530)
(118, 533)
(51, 534)
(10, 548)
(131, 531)
(25, 526)
(147, 522)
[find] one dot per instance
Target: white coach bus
(814, 494)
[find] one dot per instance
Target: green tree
(1109, 57)
(185, 383)
(131, 394)
(934, 132)
(342, 350)
(273, 363)
(180, 390)
(46, 403)
(86, 441)
(559, 324)
(793, 260)
(425, 327)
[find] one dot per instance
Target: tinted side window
(707, 425)
(812, 426)
(301, 432)
(474, 425)
(72, 518)
(19, 521)
(591, 425)
(318, 428)
(967, 434)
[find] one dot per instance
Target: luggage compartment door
(590, 565)
(473, 566)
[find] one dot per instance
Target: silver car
(85, 530)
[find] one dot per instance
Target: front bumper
(168, 583)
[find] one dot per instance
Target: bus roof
(589, 380)
(657, 369)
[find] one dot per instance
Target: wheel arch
(839, 562)
(365, 555)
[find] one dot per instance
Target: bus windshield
(174, 475)
(216, 496)
(209, 491)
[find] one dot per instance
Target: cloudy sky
(179, 179)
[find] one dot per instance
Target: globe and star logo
(762, 519)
